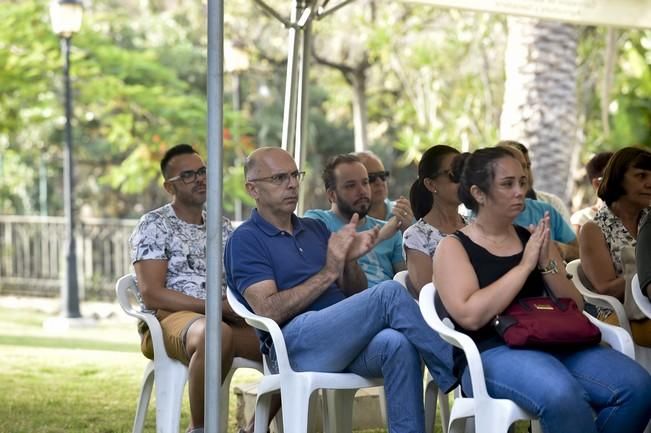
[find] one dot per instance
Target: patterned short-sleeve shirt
(423, 237)
(161, 235)
(616, 234)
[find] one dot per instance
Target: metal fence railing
(32, 254)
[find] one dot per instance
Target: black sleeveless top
(490, 268)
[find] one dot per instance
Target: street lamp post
(66, 18)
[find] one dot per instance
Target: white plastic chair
(642, 354)
(603, 301)
(641, 300)
(296, 386)
(432, 391)
(493, 415)
(644, 305)
(169, 374)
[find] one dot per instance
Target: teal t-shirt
(377, 264)
(533, 212)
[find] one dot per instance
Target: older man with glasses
(307, 279)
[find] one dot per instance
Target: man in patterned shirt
(168, 251)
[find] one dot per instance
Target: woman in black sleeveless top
(490, 263)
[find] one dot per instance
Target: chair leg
(224, 402)
(338, 410)
(469, 426)
(262, 413)
(295, 398)
(536, 428)
(382, 400)
(462, 425)
(169, 396)
(492, 419)
(444, 404)
(278, 423)
(143, 399)
(431, 391)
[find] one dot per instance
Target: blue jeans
(376, 333)
(567, 389)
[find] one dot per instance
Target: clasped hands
(348, 244)
(401, 219)
(537, 252)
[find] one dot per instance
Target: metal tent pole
(215, 96)
(303, 108)
(291, 86)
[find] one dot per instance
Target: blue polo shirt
(533, 212)
(258, 251)
(377, 264)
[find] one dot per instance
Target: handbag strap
(550, 294)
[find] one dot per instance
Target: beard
(347, 210)
(191, 198)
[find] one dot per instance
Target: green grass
(72, 381)
(78, 380)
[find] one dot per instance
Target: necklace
(495, 241)
(440, 222)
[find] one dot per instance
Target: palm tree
(540, 98)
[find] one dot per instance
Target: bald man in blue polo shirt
(296, 272)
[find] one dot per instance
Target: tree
(333, 48)
(540, 98)
(137, 91)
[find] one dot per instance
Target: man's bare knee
(195, 339)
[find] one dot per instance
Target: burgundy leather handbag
(546, 322)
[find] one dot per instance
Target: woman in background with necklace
(435, 201)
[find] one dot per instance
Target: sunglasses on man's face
(382, 175)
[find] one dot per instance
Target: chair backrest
(445, 329)
(643, 303)
(604, 301)
(263, 324)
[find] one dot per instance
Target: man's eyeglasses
(281, 178)
(382, 175)
(189, 176)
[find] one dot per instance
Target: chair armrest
(607, 301)
(447, 332)
(616, 337)
(126, 285)
(643, 303)
(604, 301)
(263, 324)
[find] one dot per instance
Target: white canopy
(615, 13)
